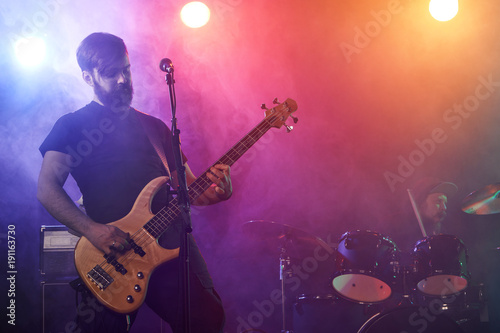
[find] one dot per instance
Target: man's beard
(120, 98)
(441, 216)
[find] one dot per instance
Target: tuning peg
(264, 107)
(276, 101)
(295, 119)
(288, 128)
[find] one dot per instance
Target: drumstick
(417, 213)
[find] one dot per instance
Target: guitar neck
(163, 219)
(202, 183)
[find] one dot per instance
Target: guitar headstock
(278, 115)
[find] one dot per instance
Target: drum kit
(364, 284)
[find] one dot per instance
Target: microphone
(166, 65)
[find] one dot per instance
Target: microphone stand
(184, 206)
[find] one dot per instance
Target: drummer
(431, 197)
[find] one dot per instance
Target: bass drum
(412, 319)
(367, 267)
(328, 313)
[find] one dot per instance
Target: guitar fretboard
(164, 218)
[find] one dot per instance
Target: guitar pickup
(118, 267)
(137, 249)
(100, 277)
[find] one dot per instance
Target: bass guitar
(120, 281)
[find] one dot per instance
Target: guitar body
(127, 291)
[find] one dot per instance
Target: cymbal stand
(406, 298)
(285, 272)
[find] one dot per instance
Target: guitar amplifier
(59, 309)
(57, 247)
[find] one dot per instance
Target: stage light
(443, 10)
(30, 51)
(195, 14)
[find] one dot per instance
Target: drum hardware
(292, 242)
(440, 263)
(374, 284)
(434, 277)
(406, 297)
(366, 267)
(285, 273)
(299, 241)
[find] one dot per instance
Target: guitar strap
(154, 137)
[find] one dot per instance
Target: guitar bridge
(100, 277)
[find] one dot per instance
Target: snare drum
(366, 267)
(440, 265)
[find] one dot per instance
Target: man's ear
(87, 77)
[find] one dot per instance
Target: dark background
(374, 82)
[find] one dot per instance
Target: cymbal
(483, 201)
(285, 234)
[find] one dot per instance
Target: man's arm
(220, 190)
(54, 198)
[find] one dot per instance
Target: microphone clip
(166, 65)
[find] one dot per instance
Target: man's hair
(99, 50)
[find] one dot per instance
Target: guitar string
(142, 238)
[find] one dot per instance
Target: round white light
(195, 14)
(443, 10)
(30, 51)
